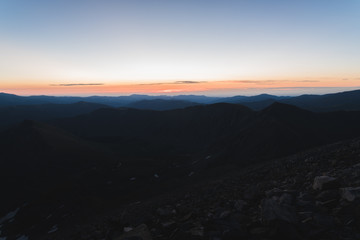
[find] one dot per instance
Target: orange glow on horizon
(178, 87)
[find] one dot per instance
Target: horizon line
(344, 89)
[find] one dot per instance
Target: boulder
(240, 204)
(325, 182)
(166, 211)
(328, 194)
(141, 232)
(351, 193)
(273, 209)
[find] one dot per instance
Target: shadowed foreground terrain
(310, 195)
(218, 171)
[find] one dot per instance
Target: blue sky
(131, 42)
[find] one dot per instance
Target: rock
(224, 214)
(283, 230)
(273, 209)
(128, 229)
(328, 204)
(350, 193)
(324, 182)
(166, 211)
(168, 224)
(186, 217)
(328, 194)
(219, 213)
(235, 234)
(53, 229)
(252, 193)
(356, 165)
(179, 234)
(273, 192)
(141, 232)
(197, 231)
(9, 216)
(259, 231)
(286, 198)
(304, 196)
(240, 204)
(323, 220)
(278, 192)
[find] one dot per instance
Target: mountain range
(65, 165)
(322, 103)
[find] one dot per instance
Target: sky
(208, 47)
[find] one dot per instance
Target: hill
(344, 101)
(42, 165)
(226, 130)
(161, 104)
(14, 114)
(181, 130)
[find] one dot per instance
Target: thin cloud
(257, 81)
(77, 84)
(188, 82)
(176, 82)
(269, 82)
(307, 81)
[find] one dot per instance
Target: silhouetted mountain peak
(283, 109)
(265, 95)
(161, 104)
(6, 94)
(349, 101)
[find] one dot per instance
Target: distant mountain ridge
(349, 101)
(116, 101)
(256, 98)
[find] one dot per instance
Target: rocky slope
(310, 195)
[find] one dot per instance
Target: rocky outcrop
(350, 193)
(139, 233)
(324, 182)
(310, 195)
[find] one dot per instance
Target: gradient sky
(213, 47)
